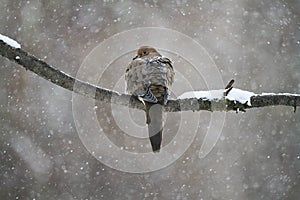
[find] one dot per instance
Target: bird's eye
(144, 52)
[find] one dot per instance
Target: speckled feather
(155, 73)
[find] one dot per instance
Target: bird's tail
(154, 115)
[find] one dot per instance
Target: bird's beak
(135, 57)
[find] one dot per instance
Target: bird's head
(146, 52)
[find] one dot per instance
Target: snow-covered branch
(221, 100)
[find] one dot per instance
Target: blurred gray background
(255, 42)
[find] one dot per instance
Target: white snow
(288, 94)
(241, 96)
(10, 41)
(235, 94)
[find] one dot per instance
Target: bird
(149, 77)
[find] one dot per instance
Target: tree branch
(42, 69)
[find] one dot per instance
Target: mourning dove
(149, 77)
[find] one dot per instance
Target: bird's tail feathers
(154, 115)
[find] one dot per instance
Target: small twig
(228, 88)
(229, 85)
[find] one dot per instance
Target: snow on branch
(10, 41)
(227, 99)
